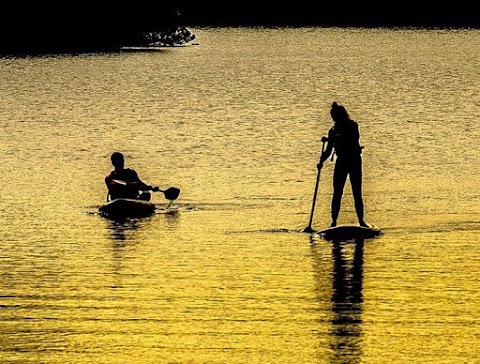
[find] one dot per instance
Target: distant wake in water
(449, 227)
(177, 207)
(172, 208)
(274, 230)
(160, 208)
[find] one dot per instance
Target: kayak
(127, 208)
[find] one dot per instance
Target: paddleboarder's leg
(356, 181)
(339, 179)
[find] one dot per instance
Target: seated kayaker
(124, 182)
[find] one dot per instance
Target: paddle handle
(315, 193)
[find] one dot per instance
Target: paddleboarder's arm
(325, 154)
(326, 151)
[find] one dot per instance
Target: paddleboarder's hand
(155, 189)
(320, 165)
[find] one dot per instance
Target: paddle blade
(308, 229)
(171, 193)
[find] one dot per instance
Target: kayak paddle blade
(171, 193)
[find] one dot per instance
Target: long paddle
(309, 228)
(170, 193)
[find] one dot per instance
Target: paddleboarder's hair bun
(338, 112)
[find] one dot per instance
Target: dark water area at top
(228, 277)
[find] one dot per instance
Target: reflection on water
(119, 229)
(347, 302)
(123, 228)
(123, 239)
(345, 334)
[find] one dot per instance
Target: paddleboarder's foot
(363, 224)
(333, 224)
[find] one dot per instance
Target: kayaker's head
(118, 160)
(339, 113)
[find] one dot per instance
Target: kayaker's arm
(144, 187)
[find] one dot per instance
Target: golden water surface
(228, 277)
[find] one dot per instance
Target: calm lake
(235, 122)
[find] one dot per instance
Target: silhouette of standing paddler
(344, 141)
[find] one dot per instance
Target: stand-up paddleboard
(350, 232)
